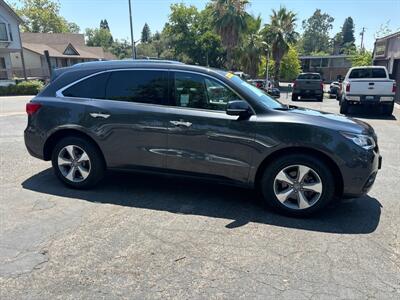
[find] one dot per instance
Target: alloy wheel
(74, 163)
(298, 187)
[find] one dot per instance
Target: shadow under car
(197, 197)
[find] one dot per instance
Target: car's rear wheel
(77, 162)
(297, 185)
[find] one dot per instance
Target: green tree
(121, 49)
(146, 34)
(251, 49)
(104, 24)
(290, 67)
(361, 58)
(316, 33)
(44, 16)
(348, 32)
(189, 37)
(279, 34)
(229, 21)
(99, 38)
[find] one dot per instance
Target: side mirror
(238, 108)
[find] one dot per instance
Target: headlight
(364, 141)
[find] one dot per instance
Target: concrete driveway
(151, 237)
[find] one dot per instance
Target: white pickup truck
(368, 85)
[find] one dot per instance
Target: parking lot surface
(150, 237)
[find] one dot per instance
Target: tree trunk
(229, 62)
(277, 72)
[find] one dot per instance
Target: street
(152, 237)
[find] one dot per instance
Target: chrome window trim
(59, 93)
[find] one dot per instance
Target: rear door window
(92, 87)
(141, 86)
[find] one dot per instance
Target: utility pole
(132, 40)
(362, 39)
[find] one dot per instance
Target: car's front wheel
(297, 185)
(77, 162)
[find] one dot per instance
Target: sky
(370, 14)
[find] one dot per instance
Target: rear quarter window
(367, 73)
(92, 87)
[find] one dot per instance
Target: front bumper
(359, 173)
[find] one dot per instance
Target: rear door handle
(99, 115)
(181, 123)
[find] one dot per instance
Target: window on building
(142, 86)
(3, 32)
(10, 32)
(94, 87)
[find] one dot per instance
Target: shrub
(23, 88)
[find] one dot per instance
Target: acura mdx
(171, 117)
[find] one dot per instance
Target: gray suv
(171, 117)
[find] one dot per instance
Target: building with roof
(331, 67)
(10, 42)
(387, 53)
(65, 49)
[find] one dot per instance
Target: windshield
(257, 94)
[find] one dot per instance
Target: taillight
(394, 88)
(348, 87)
(294, 84)
(32, 107)
(322, 86)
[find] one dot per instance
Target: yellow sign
(229, 75)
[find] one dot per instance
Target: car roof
(98, 66)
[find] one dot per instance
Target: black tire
(344, 107)
(97, 165)
(295, 97)
(387, 110)
(319, 166)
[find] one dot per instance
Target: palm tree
(229, 20)
(279, 34)
(252, 48)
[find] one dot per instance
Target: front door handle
(181, 123)
(99, 115)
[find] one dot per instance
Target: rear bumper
(305, 92)
(33, 142)
(370, 99)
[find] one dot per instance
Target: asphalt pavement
(150, 237)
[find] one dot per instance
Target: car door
(130, 121)
(202, 138)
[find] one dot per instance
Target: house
(10, 42)
(387, 53)
(331, 67)
(65, 49)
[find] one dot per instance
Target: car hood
(327, 120)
